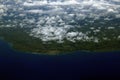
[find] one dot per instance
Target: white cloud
(3, 9)
(51, 20)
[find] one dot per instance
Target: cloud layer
(59, 19)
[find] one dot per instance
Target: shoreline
(10, 45)
(21, 41)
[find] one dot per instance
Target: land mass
(22, 42)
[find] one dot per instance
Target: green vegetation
(21, 41)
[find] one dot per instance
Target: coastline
(20, 41)
(56, 54)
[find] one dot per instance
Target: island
(21, 41)
(56, 27)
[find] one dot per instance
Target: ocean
(83, 65)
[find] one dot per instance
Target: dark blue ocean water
(41, 67)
